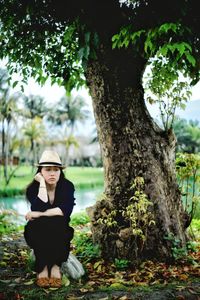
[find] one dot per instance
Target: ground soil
(17, 281)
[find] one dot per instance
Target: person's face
(51, 174)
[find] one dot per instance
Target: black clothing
(50, 237)
(64, 198)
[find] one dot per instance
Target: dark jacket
(64, 198)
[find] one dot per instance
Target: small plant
(137, 212)
(85, 249)
(181, 253)
(109, 219)
(121, 264)
(7, 223)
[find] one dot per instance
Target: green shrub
(6, 226)
(79, 219)
(180, 253)
(85, 249)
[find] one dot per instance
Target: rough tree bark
(132, 146)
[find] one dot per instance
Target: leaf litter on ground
(100, 273)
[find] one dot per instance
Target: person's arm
(31, 215)
(42, 193)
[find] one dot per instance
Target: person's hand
(31, 215)
(38, 177)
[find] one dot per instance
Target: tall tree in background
(188, 135)
(35, 131)
(8, 110)
(35, 106)
(34, 109)
(110, 44)
(68, 112)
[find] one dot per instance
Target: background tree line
(28, 124)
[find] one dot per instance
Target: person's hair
(34, 185)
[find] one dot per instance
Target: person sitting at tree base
(47, 231)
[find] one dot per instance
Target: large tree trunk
(132, 146)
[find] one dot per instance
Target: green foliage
(7, 225)
(187, 135)
(194, 229)
(68, 111)
(121, 264)
(181, 253)
(108, 219)
(85, 249)
(62, 40)
(188, 166)
(79, 219)
(125, 37)
(160, 42)
(55, 51)
(196, 224)
(137, 213)
(164, 87)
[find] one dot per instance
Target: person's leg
(60, 250)
(55, 277)
(55, 272)
(49, 237)
(36, 236)
(43, 273)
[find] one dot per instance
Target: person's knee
(70, 233)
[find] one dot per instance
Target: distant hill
(191, 112)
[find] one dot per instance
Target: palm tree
(70, 111)
(34, 130)
(35, 109)
(35, 106)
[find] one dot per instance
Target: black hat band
(50, 163)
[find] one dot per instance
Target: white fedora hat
(50, 158)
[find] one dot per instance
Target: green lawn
(85, 176)
(80, 176)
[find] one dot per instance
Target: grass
(85, 176)
(82, 177)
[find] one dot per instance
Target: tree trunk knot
(125, 234)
